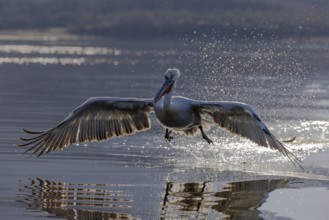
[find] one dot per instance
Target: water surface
(142, 176)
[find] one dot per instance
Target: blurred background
(169, 18)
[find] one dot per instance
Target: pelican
(102, 118)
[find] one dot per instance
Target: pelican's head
(171, 75)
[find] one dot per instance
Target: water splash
(262, 73)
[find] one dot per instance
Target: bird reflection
(234, 200)
(189, 200)
(77, 201)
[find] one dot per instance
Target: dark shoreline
(170, 19)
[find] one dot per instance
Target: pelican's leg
(204, 136)
(167, 136)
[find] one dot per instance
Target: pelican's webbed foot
(204, 136)
(167, 135)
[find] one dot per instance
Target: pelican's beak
(165, 88)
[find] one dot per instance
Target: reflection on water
(201, 200)
(235, 200)
(76, 201)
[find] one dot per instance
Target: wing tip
(278, 145)
(289, 140)
(295, 160)
(32, 132)
(35, 141)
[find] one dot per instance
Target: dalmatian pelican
(103, 118)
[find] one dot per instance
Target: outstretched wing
(95, 120)
(241, 119)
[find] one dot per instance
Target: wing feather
(241, 119)
(95, 120)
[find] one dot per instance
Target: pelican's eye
(171, 76)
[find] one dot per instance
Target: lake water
(143, 176)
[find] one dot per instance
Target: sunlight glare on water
(63, 55)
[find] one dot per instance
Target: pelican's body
(106, 117)
(178, 114)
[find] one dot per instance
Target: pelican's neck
(163, 97)
(167, 98)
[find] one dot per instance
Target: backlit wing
(241, 119)
(95, 120)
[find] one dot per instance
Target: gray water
(142, 176)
